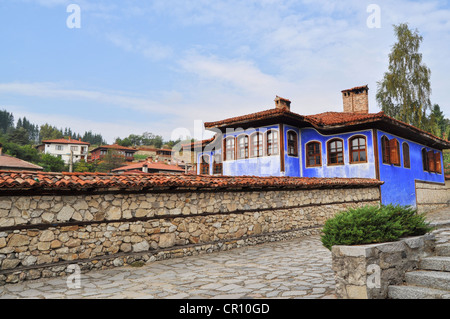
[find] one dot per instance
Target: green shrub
(373, 224)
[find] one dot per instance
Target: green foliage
(373, 224)
(48, 132)
(51, 163)
(6, 121)
(24, 152)
(146, 139)
(404, 93)
(82, 166)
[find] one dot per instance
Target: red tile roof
(116, 147)
(9, 162)
(65, 141)
(357, 88)
(41, 181)
(327, 120)
(151, 166)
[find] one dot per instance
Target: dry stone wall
(40, 235)
(431, 196)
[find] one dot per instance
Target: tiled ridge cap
(22, 180)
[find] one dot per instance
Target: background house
(125, 153)
(66, 149)
(150, 167)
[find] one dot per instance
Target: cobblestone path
(299, 268)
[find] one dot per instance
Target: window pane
(363, 157)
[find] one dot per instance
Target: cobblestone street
(299, 268)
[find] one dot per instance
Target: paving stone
(286, 269)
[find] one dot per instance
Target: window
(358, 151)
(431, 161)
(218, 166)
(74, 148)
(229, 149)
(395, 152)
(385, 150)
(406, 159)
(257, 144)
(437, 165)
(59, 147)
(313, 154)
(292, 143)
(272, 143)
(204, 165)
(425, 160)
(242, 144)
(335, 152)
(390, 151)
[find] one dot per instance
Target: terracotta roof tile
(150, 165)
(65, 141)
(116, 147)
(325, 120)
(134, 181)
(9, 162)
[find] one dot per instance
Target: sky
(166, 66)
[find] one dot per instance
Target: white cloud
(56, 91)
(152, 50)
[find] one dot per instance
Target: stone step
(443, 250)
(435, 263)
(415, 292)
(430, 279)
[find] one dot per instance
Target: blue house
(349, 144)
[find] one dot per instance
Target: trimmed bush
(373, 224)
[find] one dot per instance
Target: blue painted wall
(359, 170)
(399, 187)
(260, 166)
(291, 163)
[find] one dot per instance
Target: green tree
(24, 152)
(404, 93)
(48, 132)
(6, 121)
(82, 166)
(51, 163)
(32, 129)
(19, 136)
(438, 122)
(111, 161)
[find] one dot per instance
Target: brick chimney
(356, 100)
(282, 103)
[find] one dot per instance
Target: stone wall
(41, 235)
(431, 196)
(366, 271)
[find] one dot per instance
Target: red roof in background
(7, 161)
(150, 165)
(139, 181)
(116, 147)
(65, 141)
